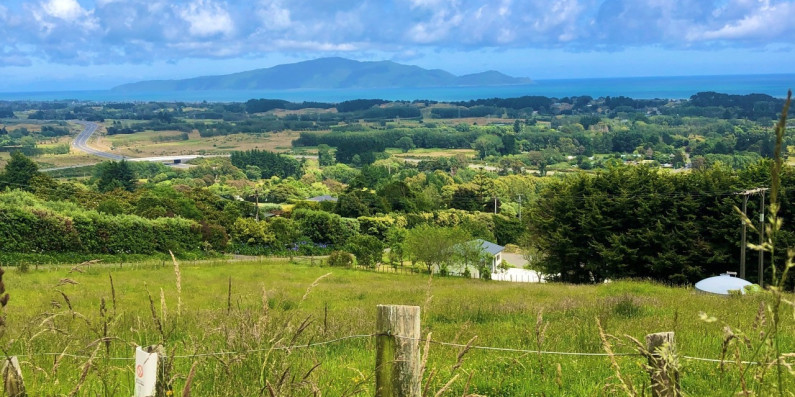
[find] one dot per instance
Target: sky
(97, 44)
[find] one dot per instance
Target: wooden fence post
(397, 354)
(663, 368)
(12, 378)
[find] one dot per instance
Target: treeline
(707, 104)
(726, 106)
(32, 225)
(440, 137)
(266, 105)
(26, 141)
(268, 164)
(639, 222)
(666, 139)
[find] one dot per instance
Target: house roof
(323, 198)
(490, 247)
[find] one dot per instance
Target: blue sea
(680, 87)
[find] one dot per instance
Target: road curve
(89, 128)
(81, 142)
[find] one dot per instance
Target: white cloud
(274, 15)
(52, 13)
(140, 30)
(764, 22)
(68, 10)
(206, 19)
(316, 45)
(560, 13)
(432, 4)
(103, 3)
(437, 29)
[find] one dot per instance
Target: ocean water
(680, 87)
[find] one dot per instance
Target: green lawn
(273, 304)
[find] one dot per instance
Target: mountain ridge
(328, 73)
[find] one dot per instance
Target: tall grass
(753, 359)
(765, 337)
(252, 341)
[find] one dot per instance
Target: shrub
(368, 249)
(340, 259)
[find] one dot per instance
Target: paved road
(89, 128)
(81, 142)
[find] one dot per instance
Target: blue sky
(95, 44)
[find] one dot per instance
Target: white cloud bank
(131, 31)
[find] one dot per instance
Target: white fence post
(149, 371)
(12, 378)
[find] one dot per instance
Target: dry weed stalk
(425, 352)
(79, 267)
(540, 337)
(112, 293)
(104, 317)
(86, 367)
(559, 376)
(466, 385)
(462, 353)
(68, 302)
(178, 277)
(189, 380)
(258, 331)
(163, 306)
(57, 363)
(4, 297)
(768, 351)
(426, 390)
(65, 281)
(155, 318)
(229, 297)
(625, 383)
(428, 298)
(446, 386)
(313, 285)
(663, 365)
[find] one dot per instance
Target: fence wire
(362, 336)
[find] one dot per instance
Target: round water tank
(722, 284)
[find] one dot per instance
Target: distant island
(328, 73)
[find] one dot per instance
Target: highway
(81, 142)
(89, 128)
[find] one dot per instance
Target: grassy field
(156, 143)
(68, 339)
(433, 153)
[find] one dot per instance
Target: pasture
(169, 143)
(249, 327)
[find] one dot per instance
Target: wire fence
(366, 336)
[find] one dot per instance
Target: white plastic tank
(722, 284)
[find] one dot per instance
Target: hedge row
(39, 229)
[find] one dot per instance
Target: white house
(479, 250)
(494, 250)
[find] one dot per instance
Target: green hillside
(327, 73)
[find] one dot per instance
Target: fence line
(362, 336)
(507, 349)
(222, 353)
(716, 360)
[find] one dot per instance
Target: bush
(340, 259)
(32, 225)
(367, 249)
